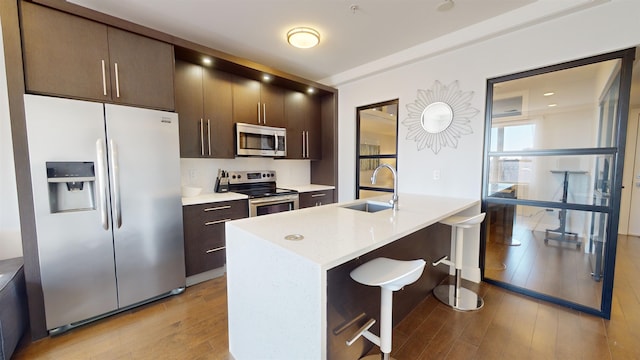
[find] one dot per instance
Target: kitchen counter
(274, 281)
(229, 196)
(308, 188)
(212, 197)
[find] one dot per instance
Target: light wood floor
(555, 268)
(194, 326)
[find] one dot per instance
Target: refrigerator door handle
(102, 182)
(115, 183)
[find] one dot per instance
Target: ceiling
(353, 32)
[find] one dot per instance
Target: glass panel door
(552, 179)
(377, 144)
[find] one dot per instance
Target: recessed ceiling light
(207, 61)
(303, 37)
(548, 93)
(311, 90)
(552, 105)
(445, 5)
(266, 77)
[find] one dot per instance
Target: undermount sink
(369, 206)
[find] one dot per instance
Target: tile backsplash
(202, 172)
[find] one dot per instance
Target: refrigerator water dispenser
(71, 186)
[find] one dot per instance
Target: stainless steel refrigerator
(106, 192)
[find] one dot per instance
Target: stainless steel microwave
(258, 140)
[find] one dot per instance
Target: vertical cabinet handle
(264, 113)
(117, 81)
(104, 80)
(201, 137)
(307, 142)
(304, 147)
(209, 134)
(258, 112)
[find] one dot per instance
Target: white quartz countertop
(229, 196)
(212, 198)
(333, 234)
(307, 188)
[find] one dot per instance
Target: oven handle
(273, 200)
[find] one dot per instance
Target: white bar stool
(457, 296)
(390, 275)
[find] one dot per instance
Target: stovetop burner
(256, 184)
(264, 192)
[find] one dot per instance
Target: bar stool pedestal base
(460, 299)
(377, 357)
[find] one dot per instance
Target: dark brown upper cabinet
(70, 56)
(204, 105)
(304, 127)
(258, 103)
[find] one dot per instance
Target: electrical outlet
(436, 174)
(193, 175)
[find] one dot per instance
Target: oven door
(256, 140)
(272, 204)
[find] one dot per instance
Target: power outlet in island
(436, 174)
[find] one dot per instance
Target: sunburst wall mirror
(440, 116)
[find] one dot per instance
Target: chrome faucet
(394, 199)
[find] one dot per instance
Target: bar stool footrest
(362, 332)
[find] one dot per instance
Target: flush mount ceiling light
(303, 37)
(445, 5)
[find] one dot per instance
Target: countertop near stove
(229, 196)
(212, 198)
(307, 188)
(275, 281)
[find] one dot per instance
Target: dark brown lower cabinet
(204, 234)
(315, 198)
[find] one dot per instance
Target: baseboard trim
(207, 275)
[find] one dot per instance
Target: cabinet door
(246, 96)
(203, 244)
(218, 112)
(313, 127)
(316, 198)
(302, 114)
(272, 102)
(64, 54)
(189, 105)
(144, 74)
(294, 116)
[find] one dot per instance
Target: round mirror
(436, 117)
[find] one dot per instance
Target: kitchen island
(279, 268)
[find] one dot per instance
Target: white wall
(607, 27)
(628, 178)
(10, 240)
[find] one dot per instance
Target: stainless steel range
(264, 197)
